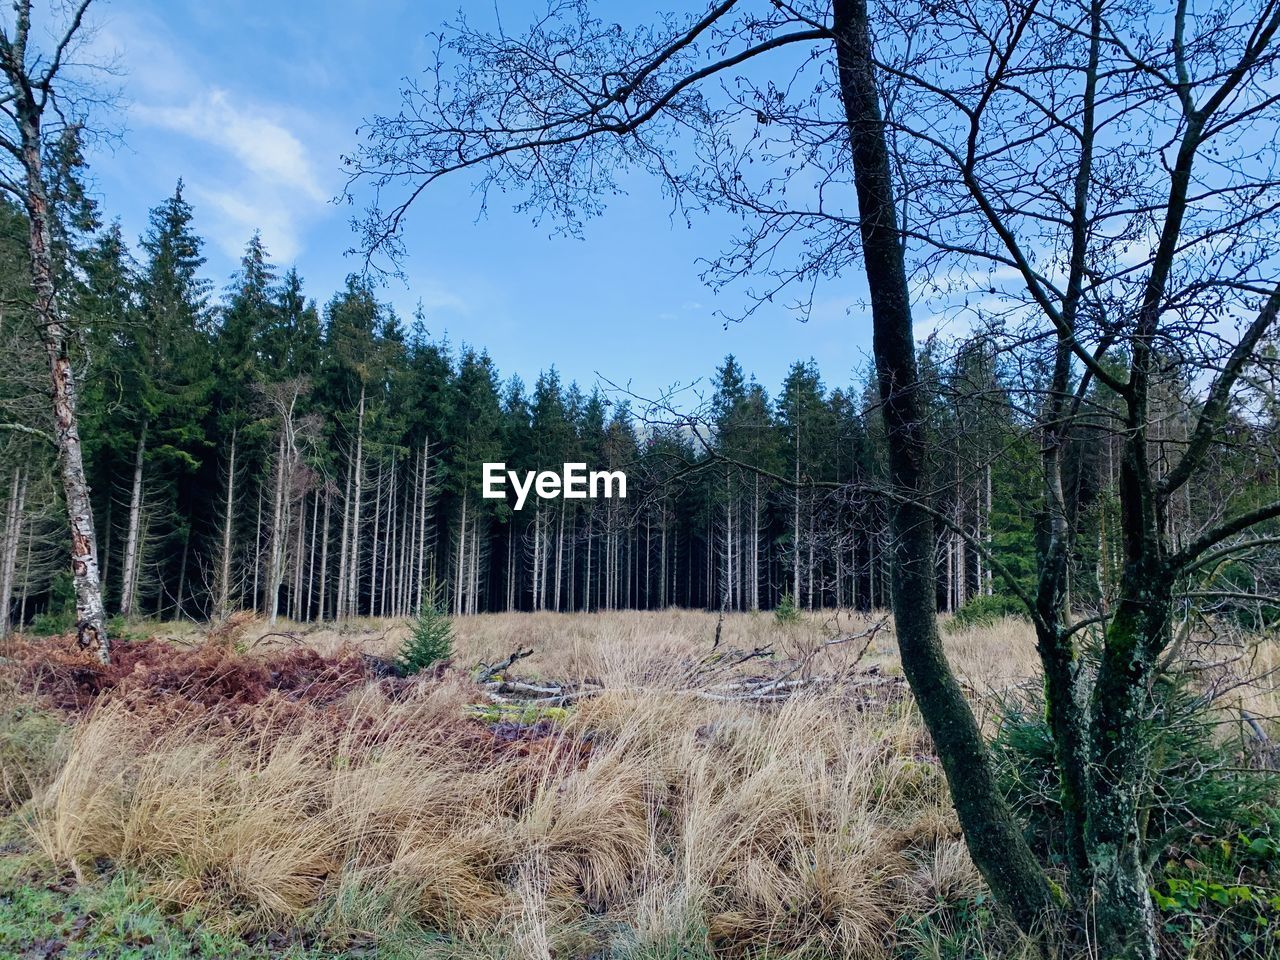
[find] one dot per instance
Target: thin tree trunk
(324, 559)
(353, 568)
(182, 575)
(26, 578)
(994, 839)
(340, 600)
(795, 524)
(228, 525)
(559, 554)
(377, 523)
(586, 592)
(276, 562)
(91, 617)
(299, 561)
(311, 562)
(12, 541)
(257, 553)
(459, 585)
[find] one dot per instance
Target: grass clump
(30, 749)
(986, 611)
(41, 915)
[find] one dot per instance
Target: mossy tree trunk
(991, 832)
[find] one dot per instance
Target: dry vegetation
(272, 785)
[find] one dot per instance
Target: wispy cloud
(263, 145)
(249, 163)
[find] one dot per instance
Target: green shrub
(1211, 828)
(983, 611)
(970, 928)
(60, 616)
(430, 640)
(786, 611)
(122, 630)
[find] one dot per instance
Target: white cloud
(249, 163)
(235, 218)
(263, 146)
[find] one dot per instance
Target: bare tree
(1043, 156)
(557, 113)
(37, 112)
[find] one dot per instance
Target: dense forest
(253, 449)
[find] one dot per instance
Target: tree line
(252, 449)
(255, 450)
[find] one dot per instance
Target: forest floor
(259, 791)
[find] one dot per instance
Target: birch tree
(39, 106)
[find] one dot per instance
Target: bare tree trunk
(795, 525)
(324, 559)
(228, 524)
(662, 563)
(755, 546)
(276, 567)
(389, 545)
(511, 567)
(458, 583)
(586, 590)
(11, 543)
(182, 575)
(26, 579)
(809, 571)
(311, 562)
(377, 523)
(473, 571)
(559, 554)
(536, 601)
(299, 561)
(91, 618)
(353, 567)
(131, 545)
(424, 508)
(257, 554)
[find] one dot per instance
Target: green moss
(524, 713)
(45, 915)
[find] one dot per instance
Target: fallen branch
(485, 672)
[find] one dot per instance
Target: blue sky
(252, 103)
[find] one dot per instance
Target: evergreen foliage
(1210, 825)
(786, 612)
(430, 640)
(761, 498)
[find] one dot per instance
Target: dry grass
(803, 827)
(617, 646)
(646, 817)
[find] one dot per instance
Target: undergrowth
(245, 801)
(430, 640)
(1211, 826)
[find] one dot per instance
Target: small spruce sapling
(786, 611)
(430, 639)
